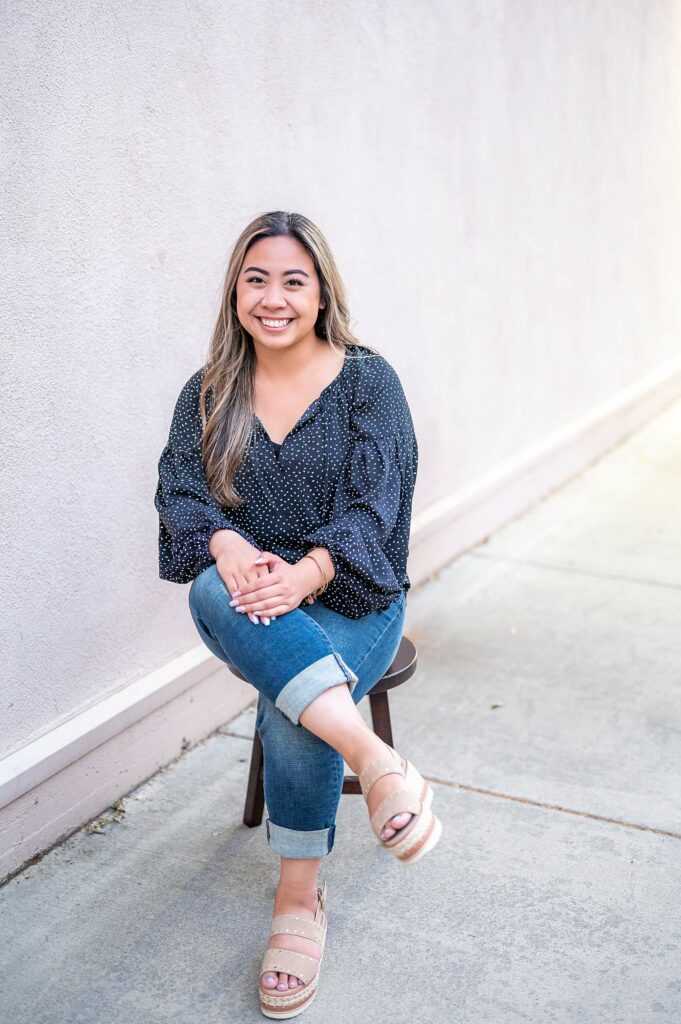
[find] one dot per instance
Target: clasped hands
(261, 584)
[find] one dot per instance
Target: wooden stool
(402, 668)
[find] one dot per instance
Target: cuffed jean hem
(289, 842)
(306, 685)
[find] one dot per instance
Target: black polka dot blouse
(342, 479)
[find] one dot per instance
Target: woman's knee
(206, 587)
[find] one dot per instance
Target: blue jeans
(290, 662)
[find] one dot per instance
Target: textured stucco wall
(499, 182)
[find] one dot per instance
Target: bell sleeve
(372, 505)
(188, 513)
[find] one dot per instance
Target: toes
(399, 821)
(280, 981)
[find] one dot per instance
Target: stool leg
(255, 793)
(380, 717)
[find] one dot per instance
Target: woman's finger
(275, 610)
(259, 601)
(267, 558)
(275, 604)
(255, 575)
(255, 586)
(229, 580)
(243, 581)
(264, 571)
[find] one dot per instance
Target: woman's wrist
(316, 571)
(309, 576)
(224, 538)
(325, 562)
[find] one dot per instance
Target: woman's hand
(279, 589)
(235, 563)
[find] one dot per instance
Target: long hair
(226, 399)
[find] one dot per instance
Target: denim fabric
(290, 662)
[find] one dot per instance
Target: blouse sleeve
(188, 513)
(373, 499)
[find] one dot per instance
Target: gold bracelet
(310, 599)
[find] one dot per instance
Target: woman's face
(278, 293)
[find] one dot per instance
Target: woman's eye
(257, 280)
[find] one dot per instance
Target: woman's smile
(271, 324)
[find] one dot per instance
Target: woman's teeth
(274, 323)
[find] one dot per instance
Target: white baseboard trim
(59, 781)
(43, 757)
(460, 520)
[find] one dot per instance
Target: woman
(288, 476)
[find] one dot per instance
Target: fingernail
(266, 620)
(234, 602)
(241, 608)
(237, 593)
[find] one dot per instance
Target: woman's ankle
(298, 882)
(299, 873)
(367, 748)
(297, 897)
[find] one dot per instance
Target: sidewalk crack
(574, 569)
(551, 807)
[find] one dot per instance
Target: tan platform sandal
(421, 833)
(295, 1000)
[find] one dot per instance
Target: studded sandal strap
(402, 800)
(294, 924)
(375, 770)
(288, 961)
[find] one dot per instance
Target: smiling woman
(288, 476)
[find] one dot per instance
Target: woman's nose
(273, 298)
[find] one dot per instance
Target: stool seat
(402, 668)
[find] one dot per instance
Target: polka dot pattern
(343, 479)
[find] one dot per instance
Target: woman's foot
(382, 788)
(291, 899)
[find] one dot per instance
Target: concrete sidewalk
(546, 710)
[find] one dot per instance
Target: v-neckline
(303, 416)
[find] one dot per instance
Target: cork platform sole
(422, 833)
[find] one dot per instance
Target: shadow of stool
(402, 668)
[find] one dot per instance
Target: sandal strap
(384, 765)
(288, 961)
(321, 898)
(294, 924)
(401, 801)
